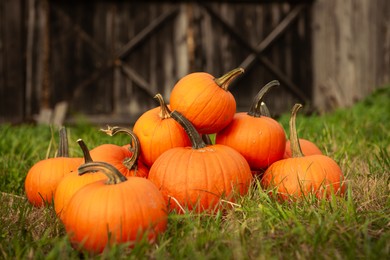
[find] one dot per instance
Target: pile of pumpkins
(124, 193)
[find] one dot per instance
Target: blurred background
(105, 60)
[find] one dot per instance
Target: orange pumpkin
(158, 132)
(308, 148)
(124, 158)
(302, 175)
(72, 182)
(205, 100)
(120, 210)
(198, 177)
(260, 139)
(43, 177)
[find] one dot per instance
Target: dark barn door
(107, 59)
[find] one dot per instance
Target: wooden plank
(276, 32)
(139, 38)
(350, 50)
(12, 61)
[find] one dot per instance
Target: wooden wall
(107, 59)
(351, 50)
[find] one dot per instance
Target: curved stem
(264, 111)
(84, 148)
(195, 138)
(294, 140)
(63, 150)
(255, 109)
(114, 176)
(130, 163)
(164, 110)
(225, 80)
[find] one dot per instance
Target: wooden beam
(146, 32)
(276, 32)
(138, 79)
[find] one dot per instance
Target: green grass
(354, 227)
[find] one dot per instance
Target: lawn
(257, 227)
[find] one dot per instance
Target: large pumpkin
(115, 211)
(72, 182)
(205, 100)
(198, 177)
(124, 158)
(260, 139)
(158, 132)
(43, 177)
(302, 175)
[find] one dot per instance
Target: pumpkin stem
(225, 80)
(63, 150)
(84, 148)
(114, 176)
(130, 163)
(294, 141)
(164, 110)
(195, 138)
(264, 110)
(255, 109)
(206, 139)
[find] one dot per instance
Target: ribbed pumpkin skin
(261, 140)
(158, 135)
(69, 185)
(295, 177)
(308, 148)
(126, 210)
(198, 178)
(44, 176)
(114, 155)
(209, 107)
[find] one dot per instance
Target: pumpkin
(72, 182)
(124, 158)
(199, 177)
(302, 175)
(158, 132)
(113, 211)
(204, 100)
(308, 148)
(260, 139)
(43, 177)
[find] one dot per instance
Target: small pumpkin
(72, 182)
(157, 132)
(302, 175)
(124, 158)
(198, 177)
(259, 138)
(43, 177)
(308, 148)
(205, 100)
(117, 210)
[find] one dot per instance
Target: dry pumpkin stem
(164, 110)
(63, 150)
(225, 80)
(113, 175)
(195, 138)
(130, 163)
(294, 140)
(255, 109)
(84, 148)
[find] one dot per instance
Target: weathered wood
(12, 64)
(351, 49)
(111, 57)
